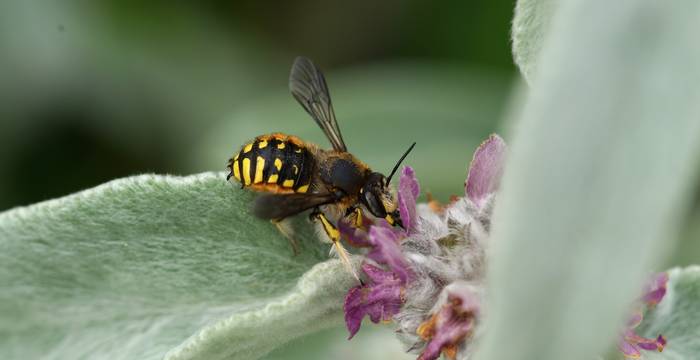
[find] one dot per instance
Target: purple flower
(446, 330)
(631, 344)
(485, 170)
(386, 250)
(380, 299)
(656, 289)
(408, 193)
(428, 277)
(354, 236)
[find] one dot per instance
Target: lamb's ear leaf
(530, 25)
(134, 267)
(677, 316)
(598, 177)
(311, 306)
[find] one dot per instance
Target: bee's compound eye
(374, 204)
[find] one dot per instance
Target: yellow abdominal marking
(280, 146)
(248, 147)
(288, 183)
(246, 171)
(259, 166)
(303, 189)
(278, 164)
(262, 144)
(297, 150)
(389, 219)
(272, 179)
(236, 171)
(235, 157)
(296, 169)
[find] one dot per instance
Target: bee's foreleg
(354, 215)
(334, 234)
(285, 227)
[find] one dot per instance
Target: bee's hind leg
(334, 234)
(284, 226)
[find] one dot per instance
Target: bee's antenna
(396, 167)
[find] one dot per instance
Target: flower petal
(656, 289)
(408, 193)
(629, 350)
(454, 322)
(464, 298)
(657, 344)
(451, 328)
(635, 319)
(354, 311)
(387, 251)
(377, 275)
(354, 236)
(380, 299)
(485, 169)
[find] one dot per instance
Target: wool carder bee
(294, 176)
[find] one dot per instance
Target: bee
(295, 176)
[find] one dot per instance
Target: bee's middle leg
(285, 227)
(334, 234)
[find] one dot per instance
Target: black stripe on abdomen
(273, 159)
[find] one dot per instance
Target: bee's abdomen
(276, 163)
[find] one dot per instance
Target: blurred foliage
(93, 91)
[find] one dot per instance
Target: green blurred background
(96, 90)
(93, 91)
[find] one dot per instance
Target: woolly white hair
(447, 250)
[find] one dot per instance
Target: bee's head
(377, 196)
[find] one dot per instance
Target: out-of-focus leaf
(688, 251)
(132, 268)
(601, 162)
(381, 110)
(530, 23)
(677, 317)
(109, 80)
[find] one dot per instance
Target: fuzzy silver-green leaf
(530, 24)
(132, 268)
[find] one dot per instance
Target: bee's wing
(308, 85)
(273, 206)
